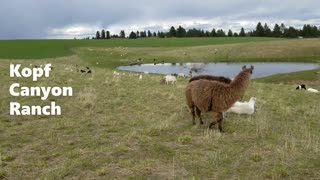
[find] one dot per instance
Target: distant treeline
(308, 31)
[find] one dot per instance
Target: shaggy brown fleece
(216, 96)
(213, 78)
(189, 94)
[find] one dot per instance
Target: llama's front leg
(198, 112)
(214, 122)
(219, 120)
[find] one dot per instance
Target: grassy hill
(36, 49)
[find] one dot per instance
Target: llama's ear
(244, 67)
(251, 67)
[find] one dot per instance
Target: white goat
(115, 73)
(244, 107)
(170, 79)
(140, 77)
(181, 75)
(312, 90)
(303, 86)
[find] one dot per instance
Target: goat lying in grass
(244, 107)
(303, 86)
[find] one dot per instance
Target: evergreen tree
(290, 33)
(230, 33)
(172, 32)
(149, 33)
(221, 33)
(181, 32)
(161, 34)
(207, 34)
(282, 28)
(276, 31)
(309, 31)
(108, 34)
(154, 34)
(213, 33)
(122, 34)
(259, 30)
(267, 30)
(242, 33)
(98, 35)
(235, 34)
(132, 35)
(138, 34)
(143, 34)
(103, 34)
(202, 34)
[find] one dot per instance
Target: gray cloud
(66, 19)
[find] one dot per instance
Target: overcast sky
(25, 19)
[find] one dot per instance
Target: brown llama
(188, 93)
(207, 95)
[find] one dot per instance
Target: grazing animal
(207, 77)
(303, 86)
(212, 78)
(181, 75)
(174, 74)
(244, 107)
(140, 77)
(82, 71)
(206, 95)
(170, 79)
(115, 73)
(162, 81)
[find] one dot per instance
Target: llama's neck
(240, 84)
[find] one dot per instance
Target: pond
(221, 69)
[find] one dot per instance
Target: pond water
(221, 69)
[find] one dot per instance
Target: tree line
(281, 30)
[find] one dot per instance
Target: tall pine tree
(172, 32)
(242, 33)
(259, 30)
(103, 34)
(108, 34)
(98, 35)
(276, 31)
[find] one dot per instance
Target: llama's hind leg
(192, 114)
(214, 122)
(198, 112)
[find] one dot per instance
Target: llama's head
(245, 69)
